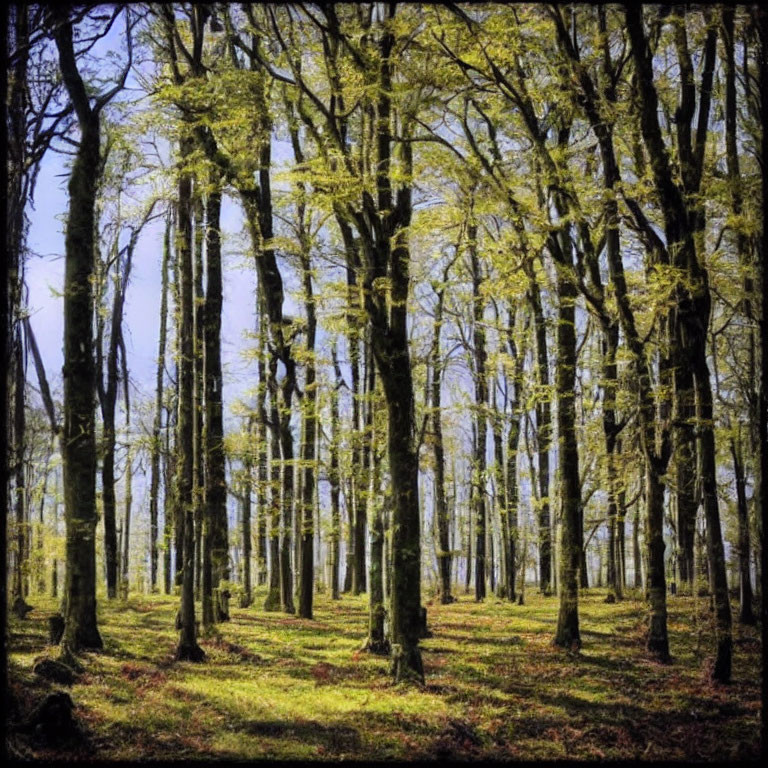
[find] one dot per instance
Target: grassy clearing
(278, 687)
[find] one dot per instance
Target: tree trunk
(215, 472)
(377, 641)
(245, 530)
(154, 485)
(543, 435)
(481, 396)
(127, 525)
(169, 504)
(441, 505)
(21, 561)
(272, 602)
(78, 443)
(309, 432)
(362, 480)
(658, 642)
(685, 471)
(567, 633)
(746, 614)
(262, 426)
(333, 476)
(715, 550)
(203, 572)
(187, 648)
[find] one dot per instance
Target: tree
(78, 444)
(684, 227)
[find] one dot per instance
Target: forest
(384, 381)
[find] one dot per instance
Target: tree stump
(221, 604)
(21, 608)
(55, 628)
(55, 671)
(52, 720)
(610, 598)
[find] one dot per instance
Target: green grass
(277, 687)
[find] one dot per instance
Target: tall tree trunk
(333, 477)
(187, 648)
(309, 432)
(108, 399)
(363, 469)
(658, 642)
(215, 471)
(245, 530)
(203, 571)
(746, 614)
(272, 602)
(377, 641)
(441, 505)
(127, 524)
(262, 426)
(685, 471)
(762, 441)
(154, 483)
(169, 506)
(567, 633)
(543, 435)
(21, 560)
(13, 378)
(481, 396)
(684, 231)
(79, 443)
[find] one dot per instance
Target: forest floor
(277, 687)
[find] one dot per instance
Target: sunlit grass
(277, 687)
